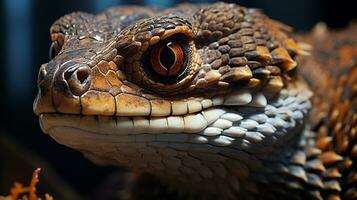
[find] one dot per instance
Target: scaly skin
(334, 113)
(232, 124)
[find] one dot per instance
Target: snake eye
(167, 59)
(166, 64)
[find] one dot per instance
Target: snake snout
(43, 101)
(78, 79)
(41, 74)
(60, 87)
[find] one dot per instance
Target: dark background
(24, 39)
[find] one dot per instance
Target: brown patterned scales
(207, 99)
(331, 71)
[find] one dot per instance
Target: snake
(217, 101)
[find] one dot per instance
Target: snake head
(203, 92)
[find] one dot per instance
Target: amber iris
(167, 58)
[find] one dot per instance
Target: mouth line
(202, 119)
(228, 107)
(127, 105)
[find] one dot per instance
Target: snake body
(209, 99)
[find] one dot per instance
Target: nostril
(82, 75)
(78, 79)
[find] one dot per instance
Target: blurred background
(25, 42)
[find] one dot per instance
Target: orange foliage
(29, 192)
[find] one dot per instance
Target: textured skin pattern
(233, 125)
(333, 77)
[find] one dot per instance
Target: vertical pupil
(167, 56)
